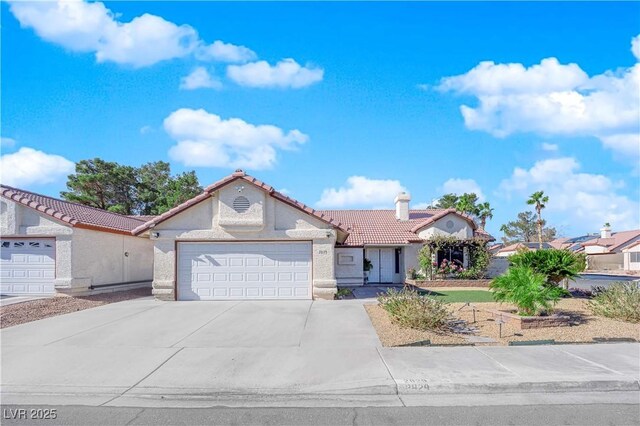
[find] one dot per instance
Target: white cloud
(461, 186)
(361, 191)
(28, 166)
(225, 52)
(83, 26)
(551, 147)
(207, 140)
(635, 46)
(91, 27)
(198, 79)
(552, 99)
(7, 142)
(286, 73)
(586, 200)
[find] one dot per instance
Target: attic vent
(241, 204)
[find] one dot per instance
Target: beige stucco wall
(83, 257)
(267, 219)
(461, 228)
(350, 274)
(628, 265)
(595, 249)
(600, 262)
(410, 256)
(105, 258)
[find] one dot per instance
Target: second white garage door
(252, 270)
(27, 267)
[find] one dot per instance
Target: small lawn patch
(460, 296)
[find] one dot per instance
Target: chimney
(605, 231)
(402, 206)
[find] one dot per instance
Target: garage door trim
(177, 257)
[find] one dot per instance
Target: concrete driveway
(144, 352)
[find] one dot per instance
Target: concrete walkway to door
(148, 353)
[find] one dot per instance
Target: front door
(382, 262)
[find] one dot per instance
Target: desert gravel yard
(585, 327)
(34, 310)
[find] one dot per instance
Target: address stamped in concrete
(415, 385)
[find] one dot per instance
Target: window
(5, 244)
(451, 254)
(397, 260)
(449, 224)
(635, 257)
(345, 259)
(33, 244)
(19, 244)
(241, 204)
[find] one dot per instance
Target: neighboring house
(50, 245)
(242, 239)
(632, 257)
(572, 244)
(515, 247)
(606, 251)
(494, 248)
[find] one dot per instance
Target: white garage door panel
(213, 271)
(27, 266)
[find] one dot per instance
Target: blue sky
(340, 104)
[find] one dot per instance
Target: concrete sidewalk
(149, 353)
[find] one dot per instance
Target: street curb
(404, 388)
(412, 387)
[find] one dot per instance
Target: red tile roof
(439, 214)
(380, 227)
(74, 214)
(143, 217)
(239, 174)
(359, 227)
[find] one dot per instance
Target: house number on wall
(323, 251)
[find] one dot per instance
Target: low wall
(605, 262)
(525, 323)
(498, 266)
(449, 283)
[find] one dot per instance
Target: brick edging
(449, 283)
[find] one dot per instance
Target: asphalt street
(583, 415)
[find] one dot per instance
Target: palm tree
(484, 212)
(538, 199)
(467, 204)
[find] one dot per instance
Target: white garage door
(233, 271)
(27, 267)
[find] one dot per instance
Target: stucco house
(605, 252)
(53, 246)
(632, 257)
(242, 239)
(515, 247)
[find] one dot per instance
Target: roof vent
(241, 204)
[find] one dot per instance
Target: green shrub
(556, 265)
(343, 292)
(526, 289)
(409, 309)
(620, 301)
